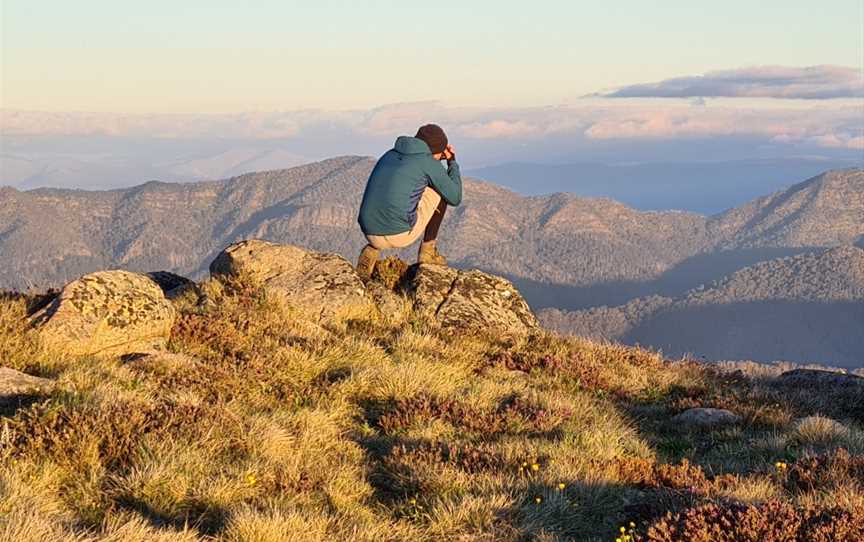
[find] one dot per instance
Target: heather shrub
(772, 522)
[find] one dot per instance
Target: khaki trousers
(425, 210)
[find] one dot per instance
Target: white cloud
(499, 129)
(810, 83)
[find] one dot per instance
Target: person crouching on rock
(406, 197)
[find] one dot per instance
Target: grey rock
(109, 313)
(469, 300)
(321, 285)
(706, 418)
(15, 383)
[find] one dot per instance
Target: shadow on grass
(11, 404)
(207, 519)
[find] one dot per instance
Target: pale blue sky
(218, 56)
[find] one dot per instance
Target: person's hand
(449, 153)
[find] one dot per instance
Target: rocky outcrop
(469, 299)
(117, 313)
(321, 285)
(106, 313)
(324, 285)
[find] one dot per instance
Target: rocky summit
(326, 285)
(111, 313)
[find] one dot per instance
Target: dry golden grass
(259, 426)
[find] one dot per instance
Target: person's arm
(447, 183)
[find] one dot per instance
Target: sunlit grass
(260, 425)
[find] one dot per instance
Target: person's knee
(376, 243)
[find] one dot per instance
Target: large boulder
(469, 300)
(321, 285)
(109, 313)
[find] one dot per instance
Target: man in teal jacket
(406, 197)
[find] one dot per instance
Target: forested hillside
(808, 307)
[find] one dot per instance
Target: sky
(209, 56)
(100, 93)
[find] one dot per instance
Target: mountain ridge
(799, 308)
(49, 235)
(786, 218)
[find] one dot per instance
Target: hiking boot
(429, 254)
(366, 262)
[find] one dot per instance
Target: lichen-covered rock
(321, 285)
(706, 418)
(469, 300)
(106, 313)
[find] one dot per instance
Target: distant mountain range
(701, 187)
(806, 308)
(563, 251)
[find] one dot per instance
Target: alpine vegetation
(283, 398)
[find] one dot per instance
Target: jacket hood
(411, 145)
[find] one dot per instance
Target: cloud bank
(838, 126)
(808, 83)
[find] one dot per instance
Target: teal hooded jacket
(394, 188)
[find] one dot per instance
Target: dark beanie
(434, 136)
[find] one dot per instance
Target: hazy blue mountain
(701, 187)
